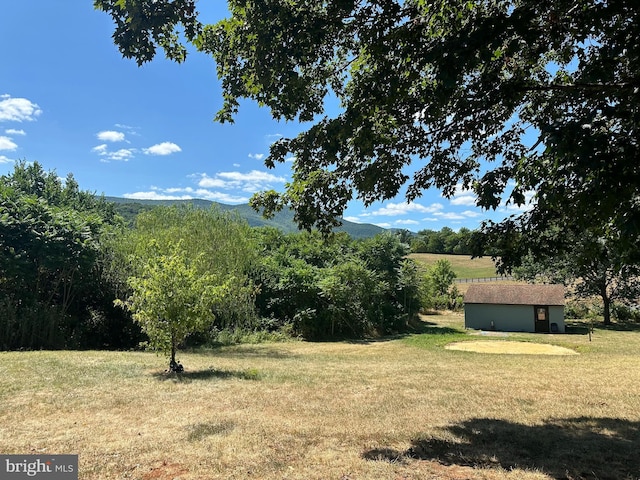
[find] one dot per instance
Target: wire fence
(484, 279)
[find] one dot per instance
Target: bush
(235, 336)
(625, 313)
(331, 288)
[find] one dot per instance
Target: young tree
(171, 299)
(498, 96)
(439, 285)
(214, 242)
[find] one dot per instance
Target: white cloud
(353, 219)
(463, 197)
(13, 131)
(464, 200)
(256, 156)
(528, 204)
(17, 109)
(153, 195)
(209, 182)
(395, 209)
(164, 148)
(457, 215)
(186, 194)
(250, 182)
(254, 176)
(4, 159)
(223, 187)
(122, 155)
(224, 198)
(383, 225)
(406, 222)
(7, 144)
(274, 137)
(128, 128)
(100, 149)
(472, 214)
(451, 216)
(110, 136)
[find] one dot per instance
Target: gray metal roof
(515, 294)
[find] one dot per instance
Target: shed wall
(508, 318)
(556, 315)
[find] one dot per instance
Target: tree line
(445, 240)
(74, 274)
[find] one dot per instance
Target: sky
(71, 102)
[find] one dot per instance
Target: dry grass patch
(400, 409)
(510, 348)
(463, 265)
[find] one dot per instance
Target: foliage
(352, 293)
(141, 24)
(51, 291)
(593, 266)
(439, 289)
(624, 313)
(235, 336)
(325, 288)
(444, 241)
(502, 97)
(170, 298)
(183, 272)
(216, 242)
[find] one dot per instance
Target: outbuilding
(515, 308)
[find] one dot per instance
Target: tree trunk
(606, 306)
(173, 350)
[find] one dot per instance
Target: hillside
(283, 220)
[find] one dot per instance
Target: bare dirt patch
(510, 348)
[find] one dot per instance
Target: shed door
(541, 315)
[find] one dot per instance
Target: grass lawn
(463, 265)
(402, 408)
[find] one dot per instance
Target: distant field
(463, 265)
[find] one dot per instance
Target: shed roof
(515, 294)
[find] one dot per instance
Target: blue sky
(70, 101)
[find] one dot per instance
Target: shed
(515, 308)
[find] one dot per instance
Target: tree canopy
(52, 294)
(502, 97)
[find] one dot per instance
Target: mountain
(283, 220)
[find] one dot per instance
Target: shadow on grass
(208, 374)
(581, 448)
(578, 327)
(200, 431)
(620, 326)
(245, 350)
(414, 327)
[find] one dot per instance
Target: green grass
(464, 266)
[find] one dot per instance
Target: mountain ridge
(283, 220)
